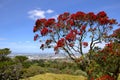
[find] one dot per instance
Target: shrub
(80, 72)
(33, 70)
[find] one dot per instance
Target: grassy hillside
(50, 76)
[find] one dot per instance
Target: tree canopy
(73, 32)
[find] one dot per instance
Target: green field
(51, 76)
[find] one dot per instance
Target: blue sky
(17, 18)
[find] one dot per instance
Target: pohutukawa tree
(73, 32)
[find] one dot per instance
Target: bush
(53, 70)
(80, 72)
(105, 63)
(10, 71)
(33, 70)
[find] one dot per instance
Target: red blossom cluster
(43, 23)
(70, 36)
(91, 16)
(85, 44)
(109, 45)
(116, 33)
(48, 41)
(101, 14)
(63, 16)
(106, 77)
(78, 16)
(38, 24)
(66, 19)
(112, 48)
(35, 37)
(61, 42)
(55, 48)
(71, 22)
(44, 31)
(35, 29)
(71, 44)
(42, 46)
(83, 28)
(103, 21)
(49, 22)
(108, 48)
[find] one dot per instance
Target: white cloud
(49, 11)
(38, 13)
(33, 14)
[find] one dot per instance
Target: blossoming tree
(71, 32)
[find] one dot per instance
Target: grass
(51, 76)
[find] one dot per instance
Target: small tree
(3, 53)
(21, 59)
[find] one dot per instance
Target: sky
(17, 18)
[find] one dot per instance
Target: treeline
(20, 67)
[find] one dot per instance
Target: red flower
(92, 16)
(44, 31)
(59, 17)
(58, 25)
(112, 21)
(55, 48)
(43, 20)
(42, 46)
(48, 41)
(34, 29)
(105, 77)
(85, 44)
(71, 44)
(70, 37)
(71, 22)
(83, 28)
(109, 45)
(103, 21)
(73, 16)
(38, 22)
(61, 42)
(63, 16)
(101, 14)
(74, 31)
(49, 22)
(35, 37)
(66, 14)
(80, 15)
(80, 33)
